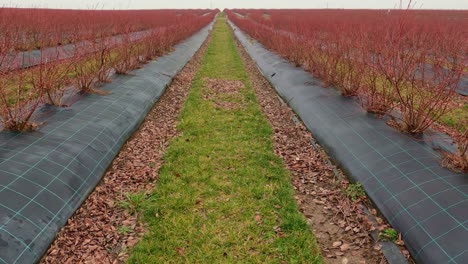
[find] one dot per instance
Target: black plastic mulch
(428, 204)
(45, 175)
(463, 86)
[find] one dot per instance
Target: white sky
(157, 4)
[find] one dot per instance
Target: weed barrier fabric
(463, 87)
(427, 203)
(47, 174)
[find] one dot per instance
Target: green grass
(389, 234)
(457, 118)
(124, 229)
(223, 196)
(354, 191)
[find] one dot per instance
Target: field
(242, 136)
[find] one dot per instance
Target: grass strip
(223, 196)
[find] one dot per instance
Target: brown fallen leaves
(223, 93)
(101, 231)
(339, 224)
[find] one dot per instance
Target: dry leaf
(337, 244)
(344, 247)
(180, 250)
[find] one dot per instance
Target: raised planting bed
(46, 174)
(424, 201)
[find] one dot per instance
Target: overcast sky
(156, 4)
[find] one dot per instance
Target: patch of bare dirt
(101, 230)
(223, 93)
(339, 224)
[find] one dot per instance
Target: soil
(102, 230)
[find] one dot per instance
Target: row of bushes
(39, 28)
(402, 63)
(91, 62)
